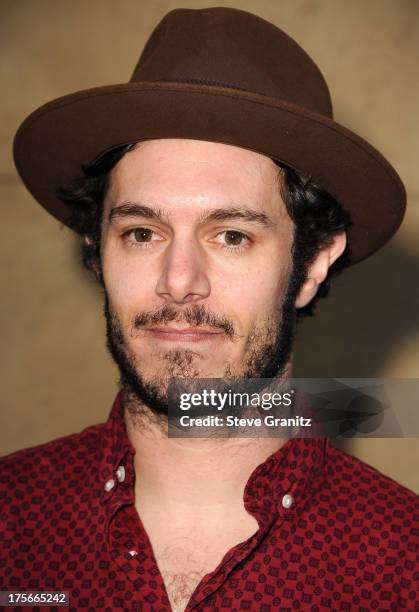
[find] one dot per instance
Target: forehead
(181, 171)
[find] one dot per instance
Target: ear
(96, 269)
(319, 268)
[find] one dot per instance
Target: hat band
(195, 81)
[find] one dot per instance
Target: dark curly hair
(316, 214)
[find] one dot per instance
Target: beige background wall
(56, 376)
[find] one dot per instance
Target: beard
(266, 354)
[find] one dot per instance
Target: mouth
(187, 334)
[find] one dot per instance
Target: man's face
(195, 236)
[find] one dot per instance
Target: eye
(235, 241)
(142, 234)
(144, 237)
(233, 238)
(141, 237)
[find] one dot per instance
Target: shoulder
(43, 490)
(371, 507)
(372, 525)
(356, 478)
(67, 455)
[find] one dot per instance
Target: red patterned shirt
(334, 533)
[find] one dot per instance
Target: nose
(183, 278)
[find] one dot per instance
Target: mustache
(194, 316)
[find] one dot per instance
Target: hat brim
(54, 141)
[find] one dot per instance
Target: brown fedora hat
(222, 75)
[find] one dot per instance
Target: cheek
(263, 280)
(249, 297)
(125, 284)
(265, 293)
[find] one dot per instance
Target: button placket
(287, 501)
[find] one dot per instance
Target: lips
(183, 334)
(182, 330)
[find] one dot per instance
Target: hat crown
(232, 48)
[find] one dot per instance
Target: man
(217, 198)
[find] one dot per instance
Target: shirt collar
(116, 448)
(278, 486)
(287, 479)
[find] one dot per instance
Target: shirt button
(133, 553)
(120, 473)
(287, 501)
(109, 484)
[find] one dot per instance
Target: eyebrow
(132, 209)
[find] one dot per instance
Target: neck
(198, 472)
(192, 473)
